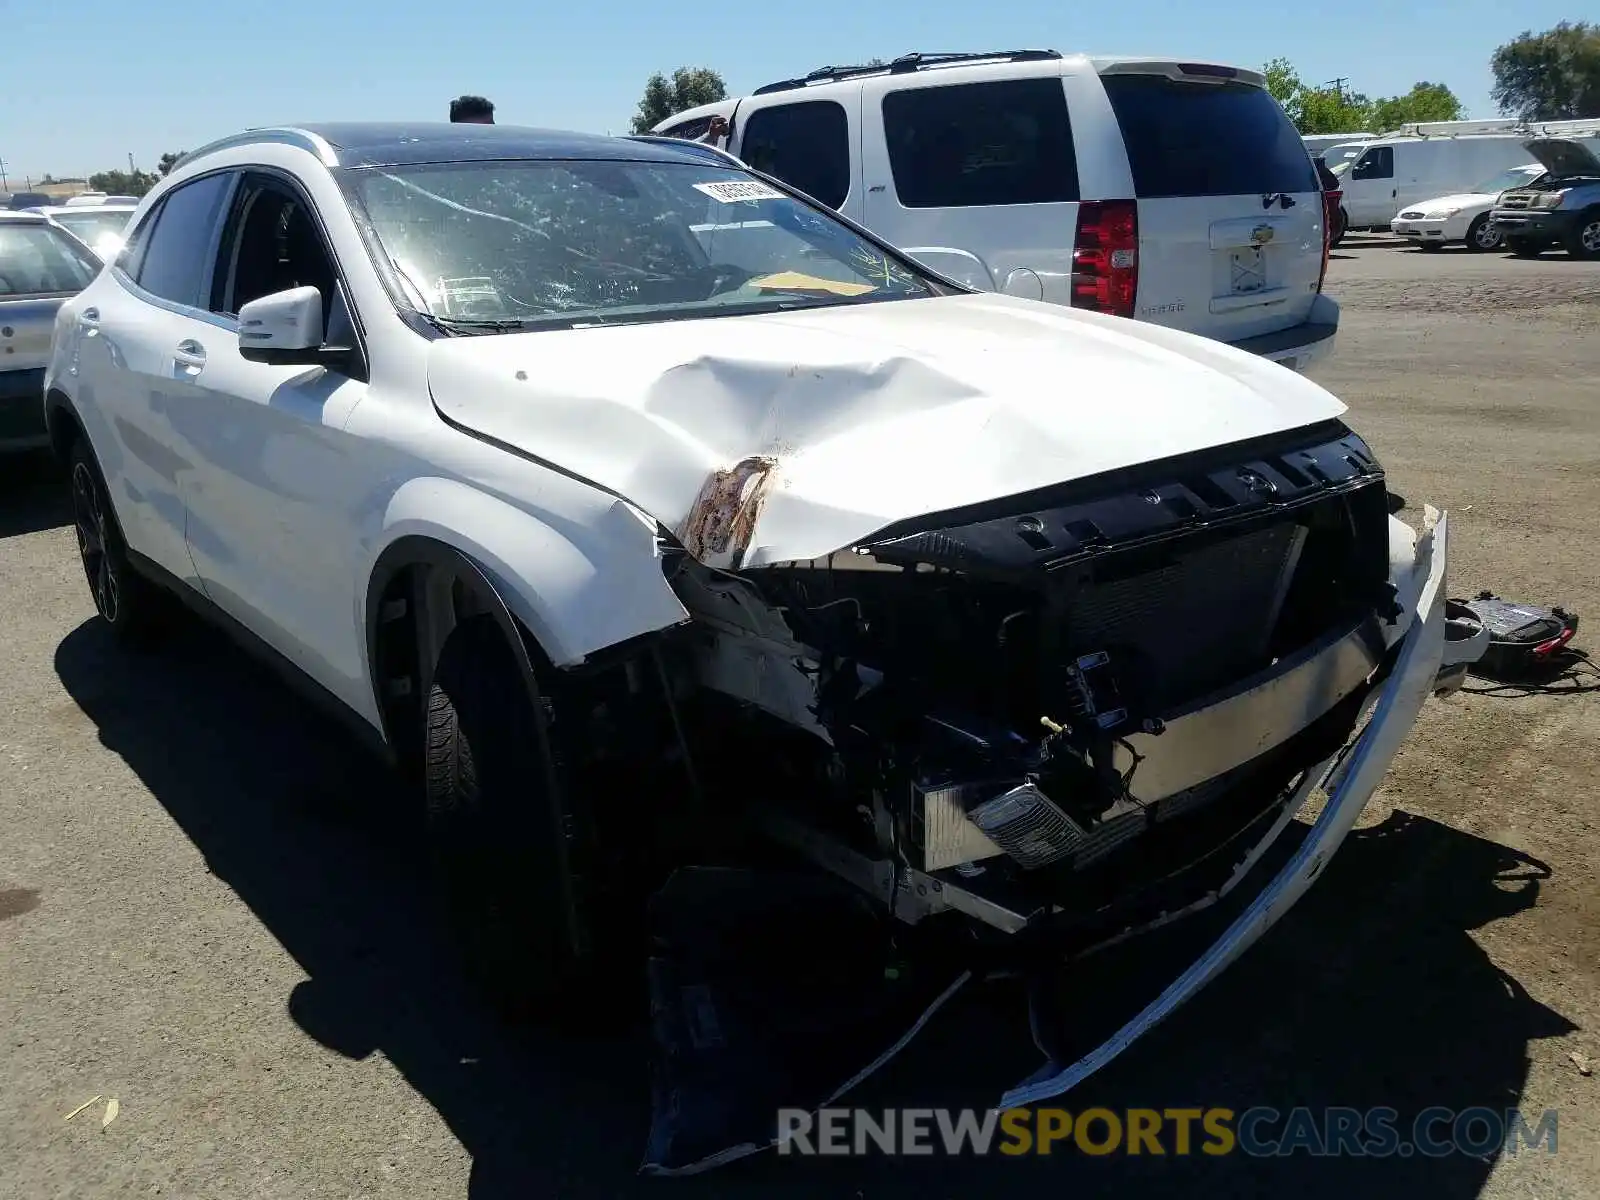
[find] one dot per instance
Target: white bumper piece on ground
(1349, 778)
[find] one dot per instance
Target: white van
(1172, 192)
(1318, 143)
(1384, 175)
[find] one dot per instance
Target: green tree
(1315, 110)
(168, 161)
(1284, 84)
(1424, 102)
(122, 183)
(689, 87)
(1549, 76)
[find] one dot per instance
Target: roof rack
(906, 63)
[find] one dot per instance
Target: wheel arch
(419, 590)
(63, 424)
(559, 595)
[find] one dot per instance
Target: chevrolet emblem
(1261, 235)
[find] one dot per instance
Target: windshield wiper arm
(470, 325)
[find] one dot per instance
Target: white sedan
(1464, 217)
(630, 501)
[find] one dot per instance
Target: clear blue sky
(89, 81)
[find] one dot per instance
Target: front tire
(124, 599)
(489, 772)
(1584, 240)
(1524, 247)
(1483, 235)
(1430, 247)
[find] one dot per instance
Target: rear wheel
(1430, 247)
(1524, 247)
(1483, 235)
(490, 773)
(124, 599)
(1584, 240)
(1341, 225)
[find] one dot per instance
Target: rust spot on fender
(723, 519)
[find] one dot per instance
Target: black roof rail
(906, 62)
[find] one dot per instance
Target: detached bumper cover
(1349, 778)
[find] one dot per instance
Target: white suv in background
(1172, 192)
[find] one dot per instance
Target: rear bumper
(1542, 224)
(1300, 345)
(22, 424)
(1349, 778)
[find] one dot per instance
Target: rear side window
(1207, 139)
(36, 260)
(175, 255)
(689, 130)
(806, 145)
(981, 144)
(1376, 163)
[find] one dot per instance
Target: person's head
(471, 110)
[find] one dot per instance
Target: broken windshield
(487, 247)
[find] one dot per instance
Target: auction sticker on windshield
(733, 191)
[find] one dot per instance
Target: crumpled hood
(788, 436)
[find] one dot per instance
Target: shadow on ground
(1370, 993)
(33, 494)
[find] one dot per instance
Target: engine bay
(976, 699)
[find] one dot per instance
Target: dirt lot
(204, 913)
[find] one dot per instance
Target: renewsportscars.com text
(1215, 1132)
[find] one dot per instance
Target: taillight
(1330, 212)
(1105, 262)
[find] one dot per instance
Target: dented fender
(577, 587)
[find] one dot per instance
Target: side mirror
(284, 323)
(285, 330)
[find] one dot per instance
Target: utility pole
(1337, 85)
(131, 171)
(4, 186)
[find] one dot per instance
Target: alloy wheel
(89, 519)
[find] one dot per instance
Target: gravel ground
(205, 913)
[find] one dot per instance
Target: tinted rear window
(1207, 139)
(807, 145)
(981, 144)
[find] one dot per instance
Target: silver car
(41, 265)
(98, 226)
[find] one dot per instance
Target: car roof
(25, 218)
(50, 210)
(394, 144)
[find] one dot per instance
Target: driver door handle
(189, 353)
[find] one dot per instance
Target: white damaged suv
(625, 499)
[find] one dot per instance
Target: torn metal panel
(723, 519)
